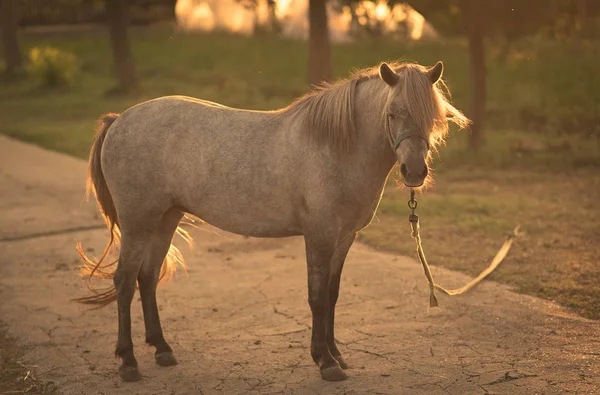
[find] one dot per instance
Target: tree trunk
(117, 13)
(8, 29)
(272, 20)
(477, 71)
(319, 48)
(584, 18)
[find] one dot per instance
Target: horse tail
(91, 268)
(96, 184)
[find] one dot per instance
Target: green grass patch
(542, 111)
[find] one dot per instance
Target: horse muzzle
(414, 175)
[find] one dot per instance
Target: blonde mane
(328, 110)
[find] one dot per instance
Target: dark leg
(337, 264)
(318, 256)
(148, 280)
(130, 260)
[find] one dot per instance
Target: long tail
(104, 267)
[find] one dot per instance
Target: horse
(316, 168)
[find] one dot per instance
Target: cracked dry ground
(239, 322)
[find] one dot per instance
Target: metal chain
(413, 218)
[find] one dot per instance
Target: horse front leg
(337, 264)
(318, 256)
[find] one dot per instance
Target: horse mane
(327, 111)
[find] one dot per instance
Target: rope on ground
(500, 255)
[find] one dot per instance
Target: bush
(52, 67)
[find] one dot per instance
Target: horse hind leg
(148, 279)
(135, 238)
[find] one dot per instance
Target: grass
(538, 168)
(465, 218)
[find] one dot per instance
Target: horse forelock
(327, 112)
(428, 104)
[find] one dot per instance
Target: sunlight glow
(401, 21)
(382, 11)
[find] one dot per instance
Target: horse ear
(387, 74)
(435, 73)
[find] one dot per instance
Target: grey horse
(316, 168)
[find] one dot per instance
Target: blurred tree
(271, 24)
(573, 18)
(8, 28)
(319, 47)
(507, 20)
(475, 23)
(117, 15)
(250, 4)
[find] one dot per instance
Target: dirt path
(240, 322)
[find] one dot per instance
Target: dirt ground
(239, 322)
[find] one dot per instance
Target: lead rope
(414, 223)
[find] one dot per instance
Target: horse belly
(248, 220)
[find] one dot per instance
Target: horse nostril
(425, 172)
(403, 170)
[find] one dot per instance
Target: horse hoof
(130, 373)
(165, 359)
(341, 361)
(333, 373)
